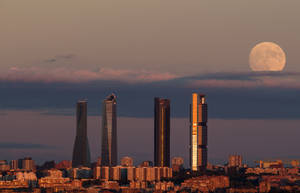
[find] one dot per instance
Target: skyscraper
(109, 152)
(198, 132)
(81, 152)
(161, 132)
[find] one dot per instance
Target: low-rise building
(163, 186)
(235, 161)
(177, 163)
(206, 183)
(127, 161)
(13, 184)
(4, 166)
(82, 173)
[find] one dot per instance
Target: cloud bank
(211, 80)
(54, 89)
(135, 99)
(38, 74)
(245, 80)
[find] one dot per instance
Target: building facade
(235, 161)
(14, 164)
(117, 173)
(161, 132)
(109, 154)
(177, 164)
(198, 132)
(28, 164)
(127, 161)
(81, 151)
(4, 166)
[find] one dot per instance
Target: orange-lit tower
(198, 132)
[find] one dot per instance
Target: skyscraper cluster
(109, 155)
(198, 132)
(81, 152)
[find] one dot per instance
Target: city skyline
(176, 154)
(150, 96)
(198, 117)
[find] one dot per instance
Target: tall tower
(81, 151)
(161, 132)
(109, 154)
(198, 132)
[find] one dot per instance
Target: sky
(53, 53)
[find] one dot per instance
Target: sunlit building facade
(28, 164)
(235, 161)
(81, 151)
(177, 164)
(109, 154)
(127, 161)
(4, 166)
(14, 165)
(198, 132)
(161, 132)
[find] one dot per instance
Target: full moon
(267, 56)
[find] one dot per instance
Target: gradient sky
(53, 53)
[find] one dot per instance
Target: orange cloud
(38, 74)
(35, 74)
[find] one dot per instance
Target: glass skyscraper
(161, 132)
(198, 132)
(81, 151)
(109, 154)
